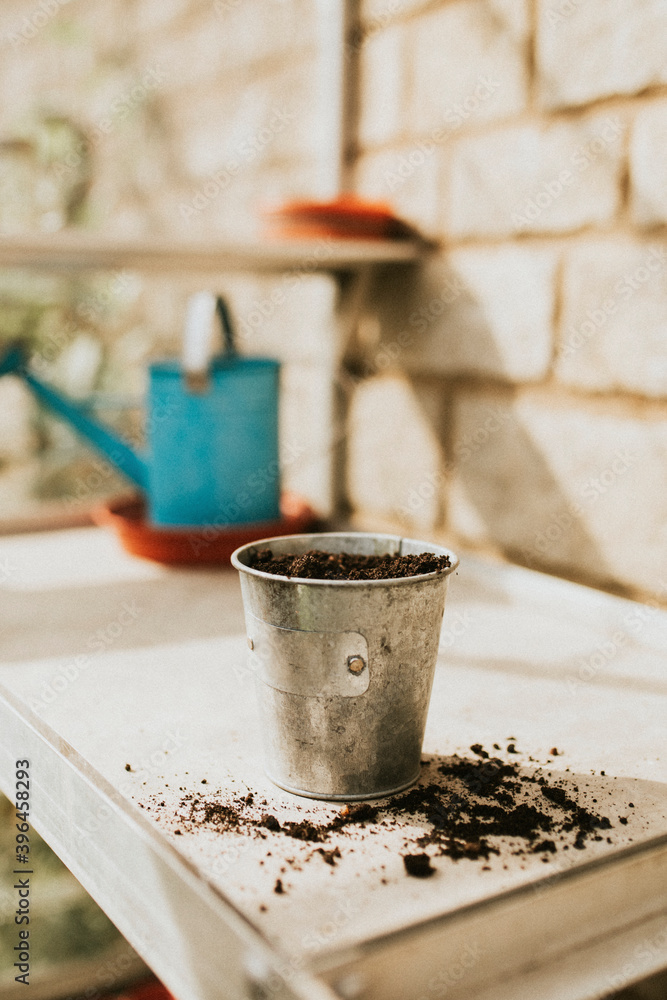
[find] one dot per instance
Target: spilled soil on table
(465, 808)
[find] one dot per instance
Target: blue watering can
(211, 428)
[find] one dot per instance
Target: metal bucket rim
(302, 581)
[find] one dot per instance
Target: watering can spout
(124, 458)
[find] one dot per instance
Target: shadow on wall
(496, 484)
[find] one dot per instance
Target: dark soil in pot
(317, 565)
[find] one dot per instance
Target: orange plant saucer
(345, 217)
(195, 546)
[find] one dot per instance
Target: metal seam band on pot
(310, 664)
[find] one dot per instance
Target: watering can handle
(199, 337)
(226, 323)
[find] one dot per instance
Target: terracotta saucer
(347, 217)
(198, 545)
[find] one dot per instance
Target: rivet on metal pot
(355, 664)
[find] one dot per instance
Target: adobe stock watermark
(8, 569)
(95, 305)
(263, 309)
(458, 624)
(654, 263)
(228, 856)
(254, 665)
(326, 932)
(590, 491)
(632, 624)
(92, 482)
(110, 973)
(33, 22)
(222, 7)
(247, 151)
(454, 117)
(363, 32)
(258, 482)
(645, 958)
(563, 10)
(543, 197)
(103, 470)
(270, 981)
(452, 975)
(91, 308)
(119, 109)
(469, 444)
(98, 642)
(419, 321)
(148, 766)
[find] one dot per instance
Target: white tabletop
(109, 661)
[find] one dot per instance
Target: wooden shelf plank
(78, 250)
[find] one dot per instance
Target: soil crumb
(418, 865)
(330, 856)
(317, 565)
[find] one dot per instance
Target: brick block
(568, 488)
(468, 64)
(588, 49)
(394, 458)
(383, 86)
(648, 166)
(530, 179)
(484, 312)
(614, 317)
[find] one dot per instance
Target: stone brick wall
(525, 370)
(510, 395)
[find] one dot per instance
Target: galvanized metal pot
(344, 668)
